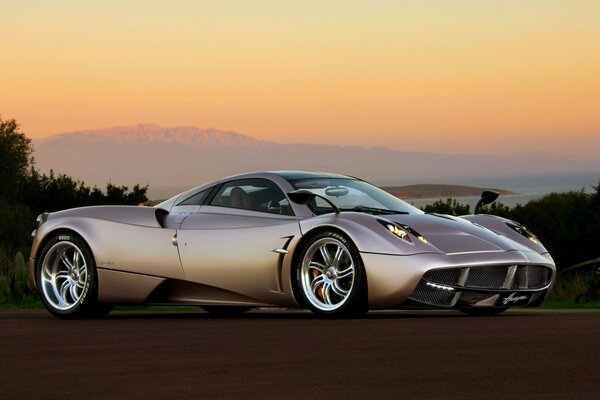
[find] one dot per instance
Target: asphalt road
(291, 355)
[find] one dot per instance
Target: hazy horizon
(174, 159)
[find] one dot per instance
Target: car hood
(455, 235)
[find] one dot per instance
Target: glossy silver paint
(210, 255)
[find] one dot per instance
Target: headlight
(402, 231)
(521, 230)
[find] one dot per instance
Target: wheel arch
(56, 232)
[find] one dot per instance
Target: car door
(238, 240)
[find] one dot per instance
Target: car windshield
(352, 195)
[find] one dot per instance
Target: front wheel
(67, 280)
(330, 276)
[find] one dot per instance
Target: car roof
(293, 175)
(287, 175)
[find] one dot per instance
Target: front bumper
(483, 286)
(485, 279)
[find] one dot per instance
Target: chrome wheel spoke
(64, 288)
(326, 293)
(61, 275)
(75, 259)
(339, 252)
(325, 254)
(318, 281)
(318, 266)
(346, 272)
(82, 270)
(74, 294)
(66, 261)
(338, 290)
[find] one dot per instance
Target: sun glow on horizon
(466, 76)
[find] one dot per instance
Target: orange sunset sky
(445, 76)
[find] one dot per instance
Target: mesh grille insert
(486, 277)
(444, 276)
(431, 295)
(531, 277)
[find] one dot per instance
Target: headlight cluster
(521, 230)
(402, 231)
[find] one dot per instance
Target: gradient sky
(448, 76)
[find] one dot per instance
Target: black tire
(67, 280)
(330, 277)
(483, 310)
(226, 310)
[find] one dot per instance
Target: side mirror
(487, 197)
(303, 196)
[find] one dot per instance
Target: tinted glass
(253, 194)
(352, 195)
(196, 199)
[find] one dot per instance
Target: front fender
(367, 233)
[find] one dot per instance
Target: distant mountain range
(170, 159)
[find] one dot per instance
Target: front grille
(486, 277)
(531, 277)
(479, 277)
(444, 276)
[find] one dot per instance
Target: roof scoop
(487, 197)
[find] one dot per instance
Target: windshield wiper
(375, 210)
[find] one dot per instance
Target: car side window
(196, 199)
(253, 194)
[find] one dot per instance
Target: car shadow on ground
(307, 315)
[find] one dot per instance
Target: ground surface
(419, 355)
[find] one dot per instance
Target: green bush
(20, 289)
(13, 279)
(5, 294)
(593, 287)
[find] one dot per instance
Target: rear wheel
(330, 276)
(67, 280)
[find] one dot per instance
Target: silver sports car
(335, 244)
